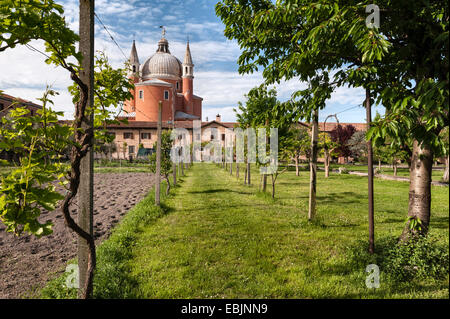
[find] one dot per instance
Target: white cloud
(226, 113)
(22, 67)
(62, 102)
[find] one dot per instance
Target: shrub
(420, 257)
(377, 171)
(414, 260)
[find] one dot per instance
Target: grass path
(222, 239)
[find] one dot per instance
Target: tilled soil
(27, 263)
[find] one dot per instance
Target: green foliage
(421, 257)
(166, 162)
(358, 144)
(39, 141)
(25, 20)
(298, 143)
(404, 62)
(111, 88)
(258, 108)
(407, 262)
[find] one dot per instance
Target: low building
(8, 102)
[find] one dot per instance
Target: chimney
(218, 118)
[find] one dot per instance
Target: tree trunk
(379, 164)
(237, 170)
(327, 163)
(168, 185)
(313, 167)
(297, 172)
(273, 185)
(445, 176)
(419, 207)
(174, 173)
(370, 196)
(395, 168)
(249, 180)
(245, 175)
(264, 183)
(231, 168)
(158, 157)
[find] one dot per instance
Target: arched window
(134, 69)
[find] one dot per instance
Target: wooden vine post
(370, 176)
(158, 157)
(313, 166)
(86, 191)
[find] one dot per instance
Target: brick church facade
(163, 77)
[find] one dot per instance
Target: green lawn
(401, 172)
(222, 239)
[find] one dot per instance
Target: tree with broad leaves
(166, 162)
(403, 65)
(341, 135)
(36, 137)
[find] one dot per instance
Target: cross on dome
(163, 31)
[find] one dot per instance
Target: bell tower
(133, 73)
(134, 64)
(188, 77)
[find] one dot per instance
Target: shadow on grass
(218, 190)
(342, 198)
(439, 222)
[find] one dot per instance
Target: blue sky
(24, 73)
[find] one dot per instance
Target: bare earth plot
(26, 263)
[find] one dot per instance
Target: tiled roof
(329, 126)
(18, 99)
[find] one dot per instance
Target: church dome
(162, 64)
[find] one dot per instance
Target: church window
(131, 149)
(186, 69)
(141, 94)
(223, 137)
(134, 68)
(166, 95)
(178, 86)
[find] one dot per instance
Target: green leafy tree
(166, 162)
(256, 113)
(357, 145)
(298, 145)
(263, 110)
(327, 148)
(403, 64)
(21, 22)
